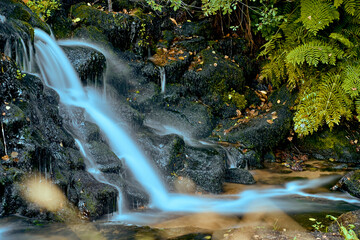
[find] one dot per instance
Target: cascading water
(162, 79)
(58, 74)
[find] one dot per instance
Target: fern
(317, 14)
(315, 52)
(351, 84)
(328, 103)
(357, 105)
(275, 69)
(341, 38)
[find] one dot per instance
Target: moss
(90, 203)
(21, 14)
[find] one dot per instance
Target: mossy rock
(215, 74)
(258, 134)
(124, 31)
(335, 144)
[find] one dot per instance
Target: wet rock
(104, 157)
(337, 144)
(190, 120)
(206, 167)
(237, 175)
(124, 31)
(37, 143)
(201, 28)
(92, 198)
(215, 75)
(258, 133)
(89, 64)
(350, 183)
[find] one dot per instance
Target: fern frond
(351, 83)
(275, 70)
(315, 52)
(337, 3)
(270, 45)
(317, 14)
(341, 38)
(295, 75)
(351, 6)
(357, 106)
(327, 103)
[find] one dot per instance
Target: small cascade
(58, 74)
(94, 170)
(162, 78)
(18, 51)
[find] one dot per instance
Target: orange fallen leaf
(181, 58)
(5, 158)
(174, 21)
(172, 58)
(270, 121)
(290, 138)
(199, 69)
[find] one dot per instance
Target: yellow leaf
(174, 21)
(181, 58)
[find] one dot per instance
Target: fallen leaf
(172, 58)
(290, 138)
(174, 21)
(238, 112)
(226, 56)
(180, 52)
(215, 64)
(331, 159)
(199, 69)
(278, 101)
(181, 58)
(14, 154)
(5, 158)
(270, 121)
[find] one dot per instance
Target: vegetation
(43, 8)
(316, 51)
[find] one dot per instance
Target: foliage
(237, 99)
(316, 51)
(318, 226)
(43, 8)
(347, 233)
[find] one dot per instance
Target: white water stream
(58, 73)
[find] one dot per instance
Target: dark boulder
(350, 183)
(259, 134)
(237, 175)
(89, 64)
(36, 142)
(338, 144)
(213, 74)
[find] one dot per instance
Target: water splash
(58, 73)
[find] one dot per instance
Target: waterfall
(57, 73)
(162, 79)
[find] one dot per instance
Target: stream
(281, 199)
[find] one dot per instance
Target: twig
(3, 133)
